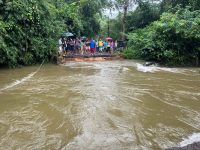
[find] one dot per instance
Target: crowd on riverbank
(86, 45)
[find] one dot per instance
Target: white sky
(114, 12)
(110, 14)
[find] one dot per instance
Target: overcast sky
(114, 12)
(110, 14)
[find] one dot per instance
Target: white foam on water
(191, 139)
(125, 69)
(188, 93)
(17, 82)
(154, 68)
(143, 68)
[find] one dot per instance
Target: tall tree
(167, 4)
(124, 5)
(30, 29)
(89, 12)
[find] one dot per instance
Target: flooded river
(99, 105)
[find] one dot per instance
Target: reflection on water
(99, 105)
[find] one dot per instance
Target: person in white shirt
(60, 46)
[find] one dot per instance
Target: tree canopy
(160, 30)
(29, 29)
(165, 31)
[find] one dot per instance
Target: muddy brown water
(98, 105)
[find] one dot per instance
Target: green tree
(124, 5)
(168, 4)
(30, 30)
(89, 12)
(143, 15)
(174, 39)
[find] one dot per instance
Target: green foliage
(89, 12)
(170, 4)
(29, 29)
(26, 26)
(114, 27)
(174, 39)
(144, 14)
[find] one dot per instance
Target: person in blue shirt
(105, 46)
(92, 46)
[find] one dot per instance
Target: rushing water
(99, 105)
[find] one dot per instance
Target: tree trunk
(108, 27)
(124, 19)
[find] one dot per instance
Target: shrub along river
(99, 105)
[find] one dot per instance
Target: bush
(29, 31)
(173, 40)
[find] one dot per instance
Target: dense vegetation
(160, 30)
(174, 39)
(29, 29)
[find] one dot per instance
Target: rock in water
(194, 146)
(149, 63)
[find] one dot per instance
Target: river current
(99, 105)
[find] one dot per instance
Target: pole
(108, 27)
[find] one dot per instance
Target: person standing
(77, 45)
(111, 47)
(87, 43)
(92, 46)
(81, 47)
(60, 46)
(65, 46)
(108, 46)
(68, 47)
(100, 45)
(84, 47)
(105, 46)
(71, 46)
(97, 46)
(116, 45)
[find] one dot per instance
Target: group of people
(86, 46)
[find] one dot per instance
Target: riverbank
(89, 57)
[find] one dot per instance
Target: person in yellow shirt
(100, 44)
